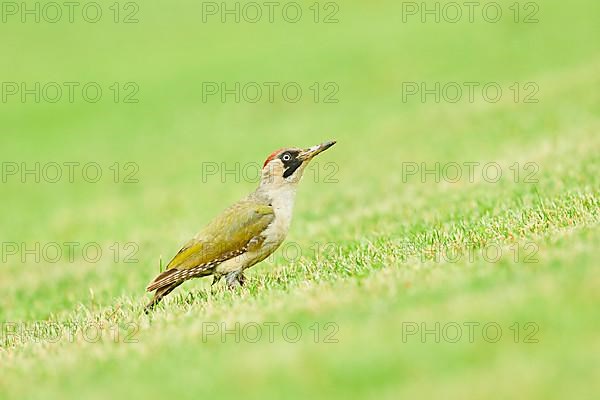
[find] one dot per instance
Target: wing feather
(227, 236)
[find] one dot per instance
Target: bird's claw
(235, 279)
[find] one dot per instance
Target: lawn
(399, 278)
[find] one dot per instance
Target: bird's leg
(234, 279)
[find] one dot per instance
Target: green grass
(378, 253)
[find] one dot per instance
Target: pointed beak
(308, 154)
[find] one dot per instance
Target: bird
(245, 233)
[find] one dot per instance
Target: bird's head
(285, 166)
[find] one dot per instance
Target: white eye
(286, 157)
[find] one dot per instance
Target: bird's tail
(165, 278)
(168, 280)
(159, 294)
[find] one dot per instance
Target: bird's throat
(281, 198)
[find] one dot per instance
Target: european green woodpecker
(244, 234)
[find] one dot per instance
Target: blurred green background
(380, 277)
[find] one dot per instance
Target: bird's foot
(235, 279)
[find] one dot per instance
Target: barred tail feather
(168, 280)
(159, 294)
(159, 281)
(174, 275)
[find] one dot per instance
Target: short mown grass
(380, 267)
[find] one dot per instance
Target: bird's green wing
(227, 234)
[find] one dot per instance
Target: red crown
(271, 157)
